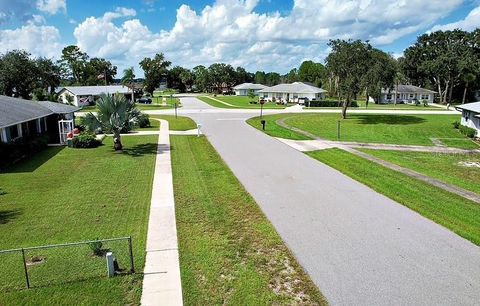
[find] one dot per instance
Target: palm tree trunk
(117, 142)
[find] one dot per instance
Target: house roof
(58, 108)
(96, 90)
(14, 110)
(473, 107)
(409, 89)
(297, 87)
(251, 86)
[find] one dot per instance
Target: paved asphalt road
(359, 247)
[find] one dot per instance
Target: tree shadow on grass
(389, 119)
(8, 215)
(31, 163)
(141, 150)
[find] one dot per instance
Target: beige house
(297, 92)
(407, 94)
(85, 95)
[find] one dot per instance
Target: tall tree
(98, 71)
(201, 78)
(188, 78)
(381, 69)
(73, 62)
(221, 75)
(272, 79)
(128, 80)
(49, 74)
(348, 62)
(155, 70)
(260, 77)
(312, 72)
(18, 74)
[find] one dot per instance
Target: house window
(389, 96)
(425, 97)
(411, 96)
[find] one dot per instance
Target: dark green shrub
(456, 124)
(15, 151)
(85, 140)
(328, 103)
(143, 121)
(96, 247)
(467, 131)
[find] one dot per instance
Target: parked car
(145, 100)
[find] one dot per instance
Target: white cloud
(51, 6)
(470, 23)
(39, 40)
(231, 31)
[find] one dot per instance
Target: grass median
(230, 254)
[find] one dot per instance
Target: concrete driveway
(359, 247)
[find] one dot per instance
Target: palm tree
(467, 78)
(115, 114)
(128, 80)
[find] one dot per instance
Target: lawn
(175, 124)
(68, 195)
(374, 128)
(230, 254)
(449, 168)
(454, 212)
(238, 102)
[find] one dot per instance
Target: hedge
(328, 103)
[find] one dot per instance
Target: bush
(143, 121)
(96, 247)
(467, 131)
(15, 151)
(456, 124)
(328, 103)
(85, 140)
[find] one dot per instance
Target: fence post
(130, 249)
(25, 268)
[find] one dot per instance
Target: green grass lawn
(238, 102)
(454, 212)
(68, 195)
(273, 129)
(444, 167)
(229, 252)
(176, 124)
(375, 128)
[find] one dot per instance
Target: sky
(268, 35)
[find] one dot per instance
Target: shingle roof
(14, 110)
(96, 90)
(59, 108)
(250, 86)
(409, 89)
(473, 107)
(297, 87)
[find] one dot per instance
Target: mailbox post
(262, 101)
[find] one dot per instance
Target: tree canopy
(155, 70)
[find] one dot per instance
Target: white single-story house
(245, 88)
(85, 95)
(470, 115)
(407, 94)
(297, 92)
(22, 118)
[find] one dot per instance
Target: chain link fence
(63, 263)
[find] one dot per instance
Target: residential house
(21, 118)
(470, 115)
(245, 88)
(297, 92)
(407, 94)
(86, 95)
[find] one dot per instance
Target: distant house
(297, 92)
(245, 88)
(21, 118)
(86, 95)
(407, 94)
(470, 115)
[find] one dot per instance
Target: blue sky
(257, 34)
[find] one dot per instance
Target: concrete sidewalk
(161, 282)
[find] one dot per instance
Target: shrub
(15, 151)
(328, 103)
(467, 131)
(85, 140)
(143, 121)
(456, 124)
(96, 247)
